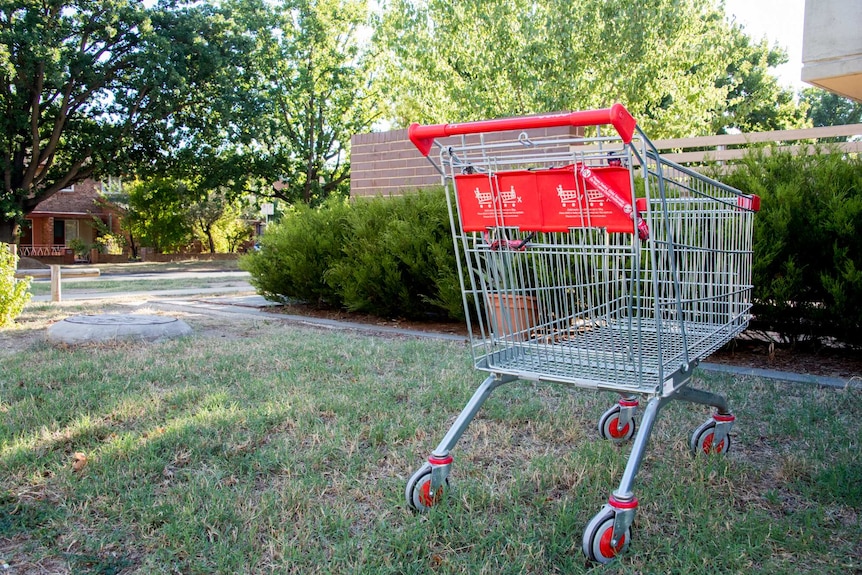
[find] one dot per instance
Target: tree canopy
(679, 66)
(87, 85)
(263, 95)
(316, 90)
(828, 109)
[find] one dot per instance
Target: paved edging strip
(209, 306)
(824, 381)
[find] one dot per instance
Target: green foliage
(807, 243)
(217, 220)
(829, 109)
(157, 214)
(230, 231)
(79, 247)
(14, 294)
(120, 84)
(296, 252)
(678, 65)
(395, 257)
(314, 92)
(391, 257)
(755, 101)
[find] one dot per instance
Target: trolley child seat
(592, 262)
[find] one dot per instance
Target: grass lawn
(178, 266)
(105, 285)
(259, 447)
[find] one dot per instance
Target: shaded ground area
(826, 361)
(749, 351)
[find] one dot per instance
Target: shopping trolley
(586, 259)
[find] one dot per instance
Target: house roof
(82, 201)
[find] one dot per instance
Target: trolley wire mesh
(593, 306)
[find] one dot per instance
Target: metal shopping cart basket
(590, 261)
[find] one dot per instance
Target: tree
(830, 109)
(318, 92)
(158, 214)
(671, 62)
(755, 101)
(88, 88)
(217, 218)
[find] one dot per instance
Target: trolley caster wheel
(609, 426)
(703, 440)
(598, 536)
(418, 492)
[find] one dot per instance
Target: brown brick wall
(387, 163)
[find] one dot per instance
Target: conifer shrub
(807, 243)
(14, 293)
(390, 257)
(399, 261)
(295, 253)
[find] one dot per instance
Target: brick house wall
(78, 204)
(387, 163)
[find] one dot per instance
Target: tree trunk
(9, 230)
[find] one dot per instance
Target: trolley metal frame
(592, 262)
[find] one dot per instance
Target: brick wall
(387, 163)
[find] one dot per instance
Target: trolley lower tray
(610, 355)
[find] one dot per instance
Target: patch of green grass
(287, 450)
(116, 286)
(188, 265)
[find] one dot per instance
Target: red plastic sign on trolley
(506, 199)
(570, 201)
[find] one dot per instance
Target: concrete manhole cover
(114, 327)
(120, 319)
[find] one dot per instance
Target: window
(64, 231)
(71, 230)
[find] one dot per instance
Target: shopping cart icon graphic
(622, 289)
(573, 198)
(509, 197)
(485, 199)
(567, 196)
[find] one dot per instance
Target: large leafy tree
(674, 63)
(316, 87)
(91, 87)
(755, 101)
(158, 214)
(830, 109)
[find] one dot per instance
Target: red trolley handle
(423, 136)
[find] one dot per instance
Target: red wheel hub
(614, 428)
(708, 447)
(605, 547)
(426, 497)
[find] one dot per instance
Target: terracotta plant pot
(512, 315)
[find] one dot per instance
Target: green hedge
(393, 257)
(295, 254)
(807, 243)
(14, 294)
(390, 257)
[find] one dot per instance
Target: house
(51, 228)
